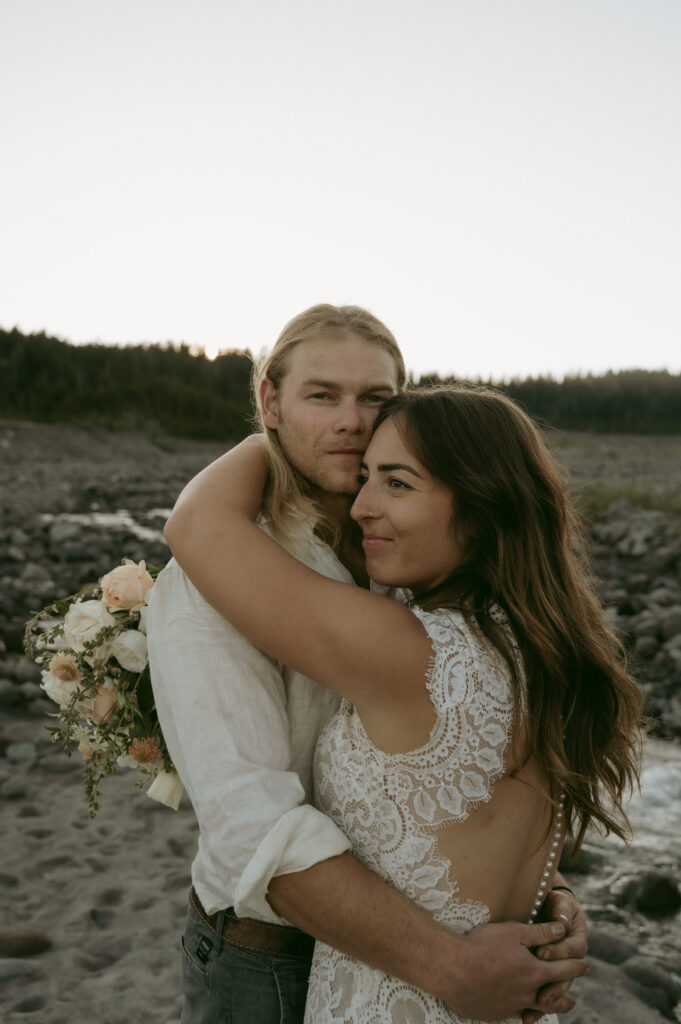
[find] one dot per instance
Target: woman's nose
(362, 508)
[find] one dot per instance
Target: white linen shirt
(241, 730)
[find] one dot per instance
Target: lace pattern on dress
(391, 805)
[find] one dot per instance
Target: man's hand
(560, 905)
(499, 975)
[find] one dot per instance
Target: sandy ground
(110, 893)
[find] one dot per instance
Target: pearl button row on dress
(550, 861)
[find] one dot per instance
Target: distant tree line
(622, 402)
(162, 388)
(171, 389)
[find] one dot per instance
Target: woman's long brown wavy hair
(525, 553)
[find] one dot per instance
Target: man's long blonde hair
(288, 501)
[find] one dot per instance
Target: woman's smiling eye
(362, 479)
(398, 485)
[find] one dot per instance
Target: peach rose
(126, 587)
(103, 704)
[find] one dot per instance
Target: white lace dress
(390, 806)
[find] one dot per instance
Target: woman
(482, 724)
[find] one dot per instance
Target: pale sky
(498, 180)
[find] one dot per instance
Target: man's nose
(350, 418)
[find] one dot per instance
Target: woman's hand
(560, 905)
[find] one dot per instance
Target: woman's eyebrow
(390, 467)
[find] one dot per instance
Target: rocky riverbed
(105, 899)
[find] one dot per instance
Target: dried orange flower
(145, 749)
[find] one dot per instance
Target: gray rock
(14, 968)
(13, 789)
(608, 947)
(664, 596)
(41, 708)
(23, 943)
(645, 646)
(10, 694)
(645, 624)
(27, 671)
(600, 999)
(670, 623)
(63, 531)
(31, 691)
(655, 893)
(34, 573)
(17, 752)
(61, 765)
(646, 972)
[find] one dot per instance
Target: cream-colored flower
(126, 587)
(167, 788)
(83, 621)
(143, 619)
(65, 668)
(129, 649)
(59, 690)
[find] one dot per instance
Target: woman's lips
(371, 543)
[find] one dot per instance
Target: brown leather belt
(256, 936)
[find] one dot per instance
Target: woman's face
(406, 516)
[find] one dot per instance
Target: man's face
(326, 405)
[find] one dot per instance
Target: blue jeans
(223, 984)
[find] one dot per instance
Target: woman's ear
(269, 404)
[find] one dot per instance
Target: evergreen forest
(171, 389)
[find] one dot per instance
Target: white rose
(167, 788)
(58, 690)
(130, 650)
(144, 611)
(83, 621)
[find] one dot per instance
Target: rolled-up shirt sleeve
(222, 707)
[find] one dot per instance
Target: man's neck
(349, 546)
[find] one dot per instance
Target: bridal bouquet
(95, 667)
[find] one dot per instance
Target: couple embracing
(390, 693)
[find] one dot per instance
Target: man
(241, 731)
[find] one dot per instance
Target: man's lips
(346, 453)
